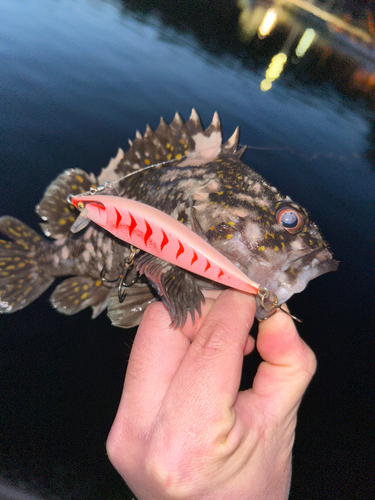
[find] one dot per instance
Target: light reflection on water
(77, 79)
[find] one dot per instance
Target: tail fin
(23, 276)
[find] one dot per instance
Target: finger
(289, 364)
(213, 363)
(191, 328)
(156, 353)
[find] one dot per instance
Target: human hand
(184, 431)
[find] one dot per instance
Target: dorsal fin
(58, 215)
(186, 142)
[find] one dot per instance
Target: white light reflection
(268, 22)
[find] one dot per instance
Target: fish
(191, 175)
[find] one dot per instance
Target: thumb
(288, 367)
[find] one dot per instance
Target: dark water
(77, 78)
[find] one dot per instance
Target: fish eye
(80, 206)
(290, 218)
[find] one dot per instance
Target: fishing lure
(159, 234)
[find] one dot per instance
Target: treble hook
(128, 264)
(265, 294)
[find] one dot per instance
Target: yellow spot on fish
(212, 228)
(281, 237)
(76, 289)
(9, 268)
(181, 220)
(66, 210)
(79, 178)
(71, 219)
(12, 231)
(276, 248)
(62, 222)
(74, 186)
(27, 291)
(220, 176)
(21, 264)
(282, 245)
(264, 208)
(169, 156)
(75, 283)
(220, 193)
(84, 296)
(261, 248)
(16, 259)
(310, 241)
(229, 236)
(85, 287)
(98, 283)
(36, 238)
(2, 263)
(179, 156)
(230, 223)
(5, 273)
(147, 161)
(76, 302)
(70, 297)
(168, 145)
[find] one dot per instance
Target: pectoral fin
(177, 288)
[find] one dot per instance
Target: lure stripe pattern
(148, 233)
(164, 237)
(132, 225)
(118, 218)
(164, 242)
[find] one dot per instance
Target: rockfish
(189, 174)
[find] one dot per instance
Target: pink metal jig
(159, 234)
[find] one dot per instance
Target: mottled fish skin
(206, 186)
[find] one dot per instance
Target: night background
(77, 79)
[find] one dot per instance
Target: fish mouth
(296, 273)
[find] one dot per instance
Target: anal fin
(128, 313)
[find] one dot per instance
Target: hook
(128, 264)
